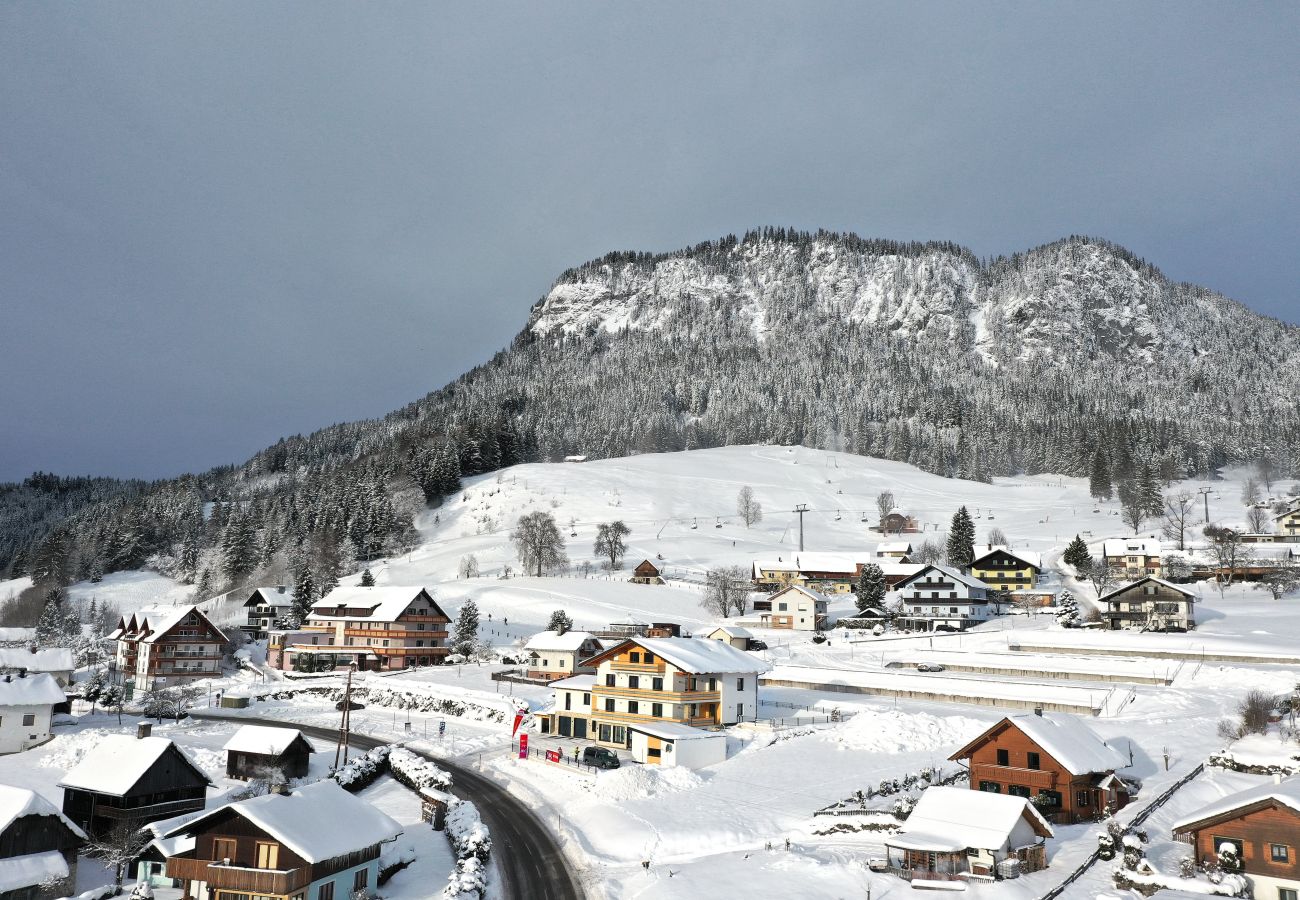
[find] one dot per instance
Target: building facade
(377, 628)
(551, 655)
(166, 646)
(1003, 569)
(263, 606)
(794, 607)
(38, 847)
(939, 598)
(1288, 523)
(1133, 558)
(27, 705)
(1149, 604)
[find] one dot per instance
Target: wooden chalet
(1052, 758)
(132, 781)
(896, 521)
(267, 753)
(1149, 604)
(646, 572)
(1004, 569)
(38, 847)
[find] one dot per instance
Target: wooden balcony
(152, 813)
(646, 695)
(239, 878)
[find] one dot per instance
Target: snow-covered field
(723, 831)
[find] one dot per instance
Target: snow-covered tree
(1099, 483)
(1077, 554)
(749, 509)
(464, 638)
(367, 578)
(1068, 607)
(870, 589)
(961, 539)
(560, 622)
(726, 591)
(538, 543)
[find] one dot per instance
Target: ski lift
(1096, 510)
(837, 515)
(695, 523)
(991, 518)
(718, 524)
(839, 491)
(864, 515)
(573, 533)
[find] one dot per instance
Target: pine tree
(464, 640)
(1099, 483)
(961, 539)
(304, 590)
(50, 627)
(238, 552)
(1077, 554)
(367, 579)
(871, 588)
(560, 622)
(1148, 487)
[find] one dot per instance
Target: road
(530, 862)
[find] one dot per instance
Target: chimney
(22, 672)
(1038, 710)
(143, 730)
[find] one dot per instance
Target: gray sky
(221, 223)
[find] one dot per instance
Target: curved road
(531, 864)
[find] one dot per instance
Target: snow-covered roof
(33, 869)
(318, 822)
(17, 803)
(264, 739)
(34, 690)
(893, 547)
(734, 631)
(1069, 741)
(1028, 557)
(904, 570)
(775, 565)
(968, 580)
(158, 620)
(116, 763)
(385, 603)
(952, 819)
(275, 595)
(549, 640)
(576, 683)
(702, 656)
(17, 635)
(1286, 793)
(1131, 547)
(806, 591)
(674, 731)
(50, 659)
(1132, 584)
(828, 562)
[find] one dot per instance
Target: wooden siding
(1254, 830)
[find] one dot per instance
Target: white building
(794, 607)
(1132, 557)
(732, 634)
(26, 707)
(161, 647)
(939, 598)
(672, 744)
(56, 661)
(553, 655)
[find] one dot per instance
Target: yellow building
(1003, 569)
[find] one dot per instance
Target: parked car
(756, 644)
(600, 758)
(929, 667)
(352, 704)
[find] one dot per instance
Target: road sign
(442, 727)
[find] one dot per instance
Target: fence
(514, 676)
(540, 754)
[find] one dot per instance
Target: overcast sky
(222, 223)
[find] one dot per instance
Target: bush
(1255, 709)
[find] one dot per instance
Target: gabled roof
(34, 690)
(48, 659)
(893, 547)
(275, 595)
(384, 604)
(1027, 557)
(158, 621)
(264, 739)
(968, 580)
(575, 683)
(1065, 738)
(119, 761)
(318, 822)
(675, 731)
(829, 562)
(1132, 584)
(1131, 546)
(734, 631)
(818, 596)
(32, 869)
(699, 656)
(549, 640)
(18, 803)
(953, 819)
(1286, 793)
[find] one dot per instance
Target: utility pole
(1205, 495)
(801, 508)
(346, 725)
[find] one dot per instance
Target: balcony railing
(239, 878)
(155, 811)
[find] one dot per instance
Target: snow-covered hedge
(398, 698)
(1225, 760)
(361, 772)
(472, 845)
(416, 772)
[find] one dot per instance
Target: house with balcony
(378, 628)
(939, 598)
(315, 843)
(1132, 558)
(1004, 569)
(131, 781)
(166, 646)
(1263, 825)
(1287, 522)
(553, 655)
(1149, 604)
(954, 834)
(267, 753)
(263, 607)
(793, 607)
(825, 573)
(27, 705)
(1054, 759)
(38, 847)
(692, 682)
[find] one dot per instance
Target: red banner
(552, 755)
(523, 745)
(519, 717)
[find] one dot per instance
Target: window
(568, 700)
(586, 699)
(653, 752)
(1279, 853)
(29, 719)
(649, 658)
(360, 879)
(268, 855)
(1032, 761)
(1049, 799)
(633, 706)
(609, 704)
(1082, 798)
(657, 710)
(634, 656)
(740, 684)
(782, 607)
(609, 680)
(990, 787)
(1287, 894)
(1018, 790)
(634, 682)
(657, 684)
(1004, 758)
(223, 848)
(713, 684)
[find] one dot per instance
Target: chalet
(954, 834)
(826, 573)
(901, 551)
(1287, 523)
(124, 780)
(280, 640)
(1052, 758)
(317, 842)
(794, 607)
(896, 521)
(646, 572)
(1149, 604)
(897, 572)
(56, 661)
(377, 628)
(1004, 569)
(264, 605)
(38, 847)
(165, 646)
(1263, 824)
(773, 574)
(27, 705)
(734, 635)
(942, 599)
(1132, 557)
(692, 682)
(267, 753)
(554, 655)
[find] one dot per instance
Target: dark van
(600, 758)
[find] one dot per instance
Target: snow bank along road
(532, 865)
